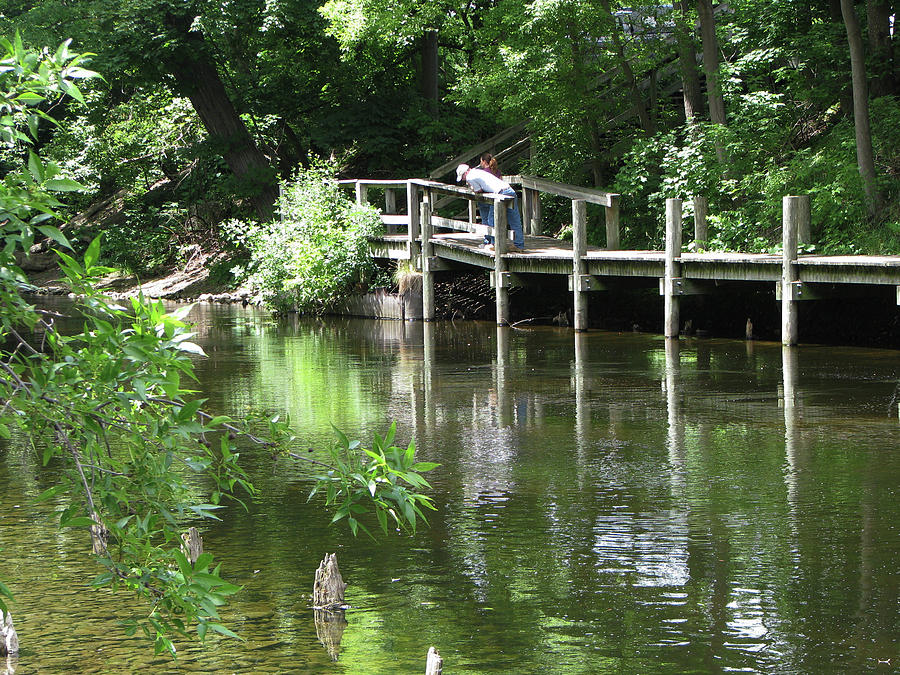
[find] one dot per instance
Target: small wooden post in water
(500, 286)
(794, 213)
(435, 664)
(99, 535)
(579, 268)
(192, 544)
(328, 605)
(673, 268)
(9, 640)
(427, 253)
(329, 587)
(701, 211)
(612, 224)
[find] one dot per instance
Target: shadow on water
(606, 503)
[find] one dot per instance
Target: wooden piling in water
(671, 307)
(500, 238)
(794, 219)
(434, 664)
(427, 260)
(579, 267)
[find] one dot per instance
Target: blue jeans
(513, 218)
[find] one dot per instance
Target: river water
(607, 503)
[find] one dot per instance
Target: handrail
(590, 195)
(459, 191)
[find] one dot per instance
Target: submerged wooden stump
(329, 587)
(435, 664)
(99, 535)
(328, 605)
(9, 641)
(192, 544)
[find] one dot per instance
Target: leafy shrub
(317, 252)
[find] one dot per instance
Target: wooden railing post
(579, 268)
(531, 211)
(612, 224)
(413, 250)
(362, 192)
(701, 211)
(390, 200)
(794, 218)
(426, 264)
(671, 308)
(473, 211)
(500, 283)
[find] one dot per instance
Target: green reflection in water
(607, 503)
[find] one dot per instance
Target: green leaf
(219, 628)
(63, 185)
(183, 564)
(53, 233)
(191, 348)
(92, 254)
(78, 521)
(35, 167)
(47, 494)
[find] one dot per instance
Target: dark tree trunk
(711, 61)
(687, 57)
(864, 155)
(630, 81)
(197, 77)
(878, 21)
(429, 80)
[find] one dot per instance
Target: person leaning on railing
(480, 180)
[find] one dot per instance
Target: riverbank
(190, 283)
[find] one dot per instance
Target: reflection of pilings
(427, 369)
(789, 375)
(500, 374)
(675, 436)
(417, 376)
(582, 405)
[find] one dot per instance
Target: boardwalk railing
(795, 278)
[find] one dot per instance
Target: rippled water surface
(607, 504)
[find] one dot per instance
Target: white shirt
(484, 181)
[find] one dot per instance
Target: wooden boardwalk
(436, 244)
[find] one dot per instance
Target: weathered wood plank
(590, 195)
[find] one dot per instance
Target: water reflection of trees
(615, 500)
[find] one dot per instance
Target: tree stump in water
(328, 603)
(99, 535)
(435, 664)
(328, 589)
(9, 641)
(192, 544)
